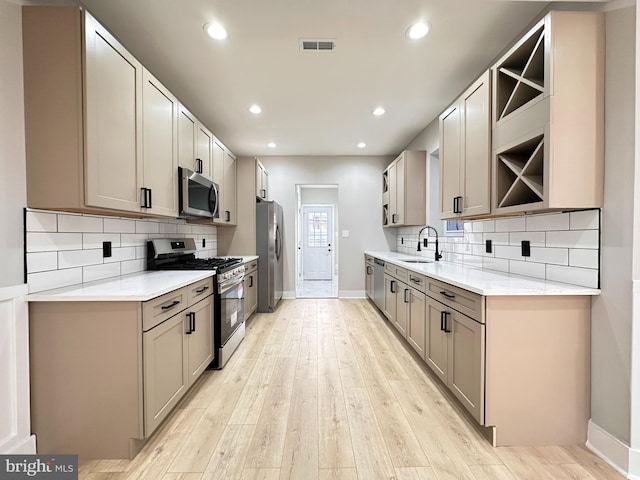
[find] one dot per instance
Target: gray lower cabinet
(250, 289)
(416, 321)
(390, 297)
(105, 374)
(455, 352)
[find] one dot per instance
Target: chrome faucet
(437, 255)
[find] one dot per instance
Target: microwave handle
(214, 197)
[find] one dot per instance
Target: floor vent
(307, 45)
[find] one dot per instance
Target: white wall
(611, 311)
(15, 426)
(359, 181)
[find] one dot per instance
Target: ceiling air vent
(308, 45)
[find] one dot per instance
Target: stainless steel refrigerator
(269, 249)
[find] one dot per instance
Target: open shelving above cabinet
(520, 175)
(520, 76)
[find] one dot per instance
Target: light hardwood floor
(324, 389)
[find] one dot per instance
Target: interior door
(317, 235)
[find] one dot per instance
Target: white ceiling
(315, 103)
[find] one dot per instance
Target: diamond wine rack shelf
(521, 75)
(520, 173)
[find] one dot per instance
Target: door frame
(330, 236)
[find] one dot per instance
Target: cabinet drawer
(250, 266)
(159, 309)
(199, 290)
(368, 259)
(417, 281)
(395, 271)
(469, 303)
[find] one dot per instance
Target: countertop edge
(535, 287)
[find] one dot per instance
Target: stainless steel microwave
(199, 196)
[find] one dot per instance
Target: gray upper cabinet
(465, 153)
(404, 190)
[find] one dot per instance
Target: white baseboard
(352, 294)
(613, 451)
(289, 295)
(26, 447)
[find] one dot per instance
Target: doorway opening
(317, 241)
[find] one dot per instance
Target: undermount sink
(410, 260)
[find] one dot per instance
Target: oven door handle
(223, 287)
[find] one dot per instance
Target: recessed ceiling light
(271, 145)
(418, 30)
(215, 30)
(255, 109)
(362, 145)
(378, 111)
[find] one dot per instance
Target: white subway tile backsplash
(41, 222)
(536, 238)
(121, 254)
(79, 223)
(473, 261)
(42, 261)
(499, 264)
(53, 279)
(474, 238)
(119, 225)
(573, 239)
(556, 256)
(51, 242)
(469, 226)
(79, 258)
(94, 240)
(582, 257)
(143, 226)
(528, 269)
(554, 221)
(516, 224)
(585, 220)
(57, 258)
(497, 238)
(585, 277)
(508, 252)
(133, 266)
(100, 272)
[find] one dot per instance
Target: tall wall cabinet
(548, 116)
(465, 153)
(101, 132)
(404, 190)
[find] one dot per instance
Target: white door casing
(317, 240)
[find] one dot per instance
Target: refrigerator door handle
(278, 243)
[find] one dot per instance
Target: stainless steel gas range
(228, 298)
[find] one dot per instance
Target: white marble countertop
(248, 258)
(484, 282)
(137, 287)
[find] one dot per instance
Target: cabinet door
(160, 146)
(476, 145)
(450, 158)
(187, 138)
(218, 177)
(165, 369)
(261, 181)
(466, 362)
(230, 214)
(402, 309)
(416, 325)
(393, 191)
(250, 294)
(436, 343)
(368, 273)
(400, 190)
(200, 338)
(203, 151)
(390, 291)
(265, 183)
(113, 163)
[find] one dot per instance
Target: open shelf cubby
(520, 77)
(520, 173)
